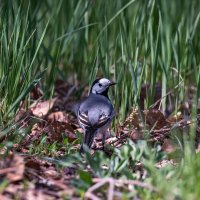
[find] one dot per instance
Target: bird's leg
(88, 139)
(106, 134)
(103, 140)
(81, 149)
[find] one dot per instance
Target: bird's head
(101, 86)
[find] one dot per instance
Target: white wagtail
(95, 113)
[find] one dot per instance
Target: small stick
(130, 182)
(100, 182)
(89, 194)
(7, 170)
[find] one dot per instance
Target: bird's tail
(88, 139)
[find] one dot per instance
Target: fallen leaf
(155, 119)
(13, 189)
(52, 173)
(55, 130)
(71, 136)
(42, 108)
(2, 197)
(33, 163)
(13, 167)
(135, 135)
(57, 116)
(175, 118)
(32, 194)
(168, 146)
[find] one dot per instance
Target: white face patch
(104, 81)
(100, 86)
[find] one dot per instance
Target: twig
(7, 170)
(112, 182)
(181, 124)
(164, 131)
(130, 182)
(90, 195)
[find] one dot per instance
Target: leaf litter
(32, 177)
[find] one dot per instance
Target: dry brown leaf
(59, 123)
(3, 150)
(168, 146)
(33, 163)
(57, 116)
(16, 162)
(135, 135)
(52, 173)
(32, 194)
(55, 130)
(3, 197)
(175, 118)
(13, 189)
(155, 119)
(71, 136)
(42, 108)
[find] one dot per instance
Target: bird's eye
(100, 84)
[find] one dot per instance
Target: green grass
(134, 42)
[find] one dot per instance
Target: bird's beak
(113, 83)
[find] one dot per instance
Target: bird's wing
(86, 122)
(84, 119)
(103, 119)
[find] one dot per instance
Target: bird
(96, 112)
